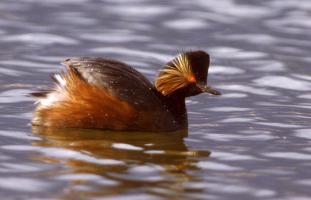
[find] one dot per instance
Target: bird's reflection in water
(100, 163)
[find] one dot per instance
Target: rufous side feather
(76, 103)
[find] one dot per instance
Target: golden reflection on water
(157, 164)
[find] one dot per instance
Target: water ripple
(126, 147)
(216, 166)
(17, 135)
(288, 155)
(233, 137)
(14, 95)
(128, 10)
(225, 70)
(258, 130)
(229, 109)
(25, 184)
(229, 7)
(284, 83)
(114, 37)
(87, 177)
(40, 38)
(250, 89)
(303, 133)
(138, 53)
(63, 154)
(186, 24)
(233, 156)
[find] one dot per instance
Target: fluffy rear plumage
(76, 103)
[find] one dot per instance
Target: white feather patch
(60, 79)
(50, 99)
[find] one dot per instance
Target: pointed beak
(208, 89)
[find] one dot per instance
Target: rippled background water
(253, 142)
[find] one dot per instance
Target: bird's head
(186, 74)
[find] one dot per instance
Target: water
(253, 142)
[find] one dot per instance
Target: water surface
(253, 142)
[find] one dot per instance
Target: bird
(101, 93)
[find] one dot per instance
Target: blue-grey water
(253, 142)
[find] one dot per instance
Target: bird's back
(106, 94)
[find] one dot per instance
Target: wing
(120, 79)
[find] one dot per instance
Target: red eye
(191, 79)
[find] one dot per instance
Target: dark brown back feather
(120, 79)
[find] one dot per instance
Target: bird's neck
(176, 104)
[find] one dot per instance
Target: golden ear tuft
(175, 75)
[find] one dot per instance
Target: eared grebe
(107, 94)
